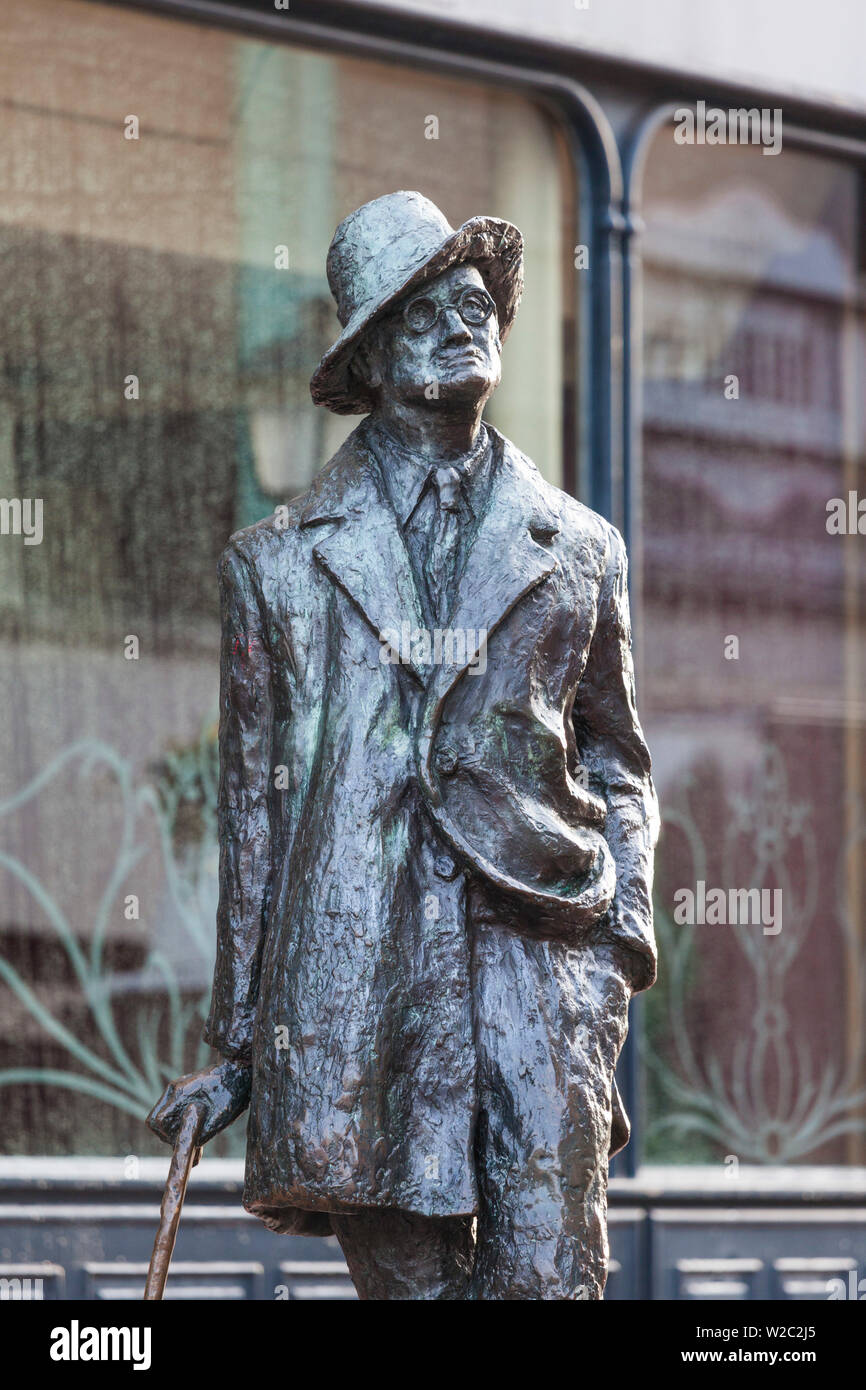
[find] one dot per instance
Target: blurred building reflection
(752, 272)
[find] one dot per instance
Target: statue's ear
(364, 365)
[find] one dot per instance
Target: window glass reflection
(164, 303)
(752, 691)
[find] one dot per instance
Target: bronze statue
(436, 812)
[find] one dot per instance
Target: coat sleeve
(246, 726)
(614, 752)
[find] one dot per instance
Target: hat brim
(491, 244)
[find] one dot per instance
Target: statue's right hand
(221, 1091)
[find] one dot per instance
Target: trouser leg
(550, 1024)
(395, 1255)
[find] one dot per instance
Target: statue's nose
(454, 330)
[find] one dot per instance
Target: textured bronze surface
(436, 860)
(187, 1153)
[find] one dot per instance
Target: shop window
(752, 654)
(156, 358)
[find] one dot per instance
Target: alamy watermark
(714, 907)
(21, 1289)
(846, 516)
(77, 1343)
(854, 1289)
(22, 517)
(712, 125)
(451, 646)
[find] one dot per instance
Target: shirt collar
(406, 483)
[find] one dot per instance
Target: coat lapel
(507, 559)
(365, 554)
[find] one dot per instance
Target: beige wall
(789, 45)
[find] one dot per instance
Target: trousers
(549, 1026)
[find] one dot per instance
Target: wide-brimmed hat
(391, 246)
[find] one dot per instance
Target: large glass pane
(156, 367)
(752, 656)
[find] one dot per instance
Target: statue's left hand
(222, 1092)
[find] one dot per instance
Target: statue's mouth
(458, 354)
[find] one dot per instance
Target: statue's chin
(463, 385)
(467, 387)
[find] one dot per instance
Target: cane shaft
(183, 1160)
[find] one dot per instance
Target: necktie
(444, 538)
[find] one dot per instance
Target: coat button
(446, 762)
(444, 867)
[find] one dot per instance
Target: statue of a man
(436, 812)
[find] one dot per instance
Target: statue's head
(424, 308)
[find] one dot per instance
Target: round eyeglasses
(474, 307)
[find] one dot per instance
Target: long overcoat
(372, 778)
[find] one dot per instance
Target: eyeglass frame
(440, 308)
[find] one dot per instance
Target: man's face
(451, 361)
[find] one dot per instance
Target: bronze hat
(391, 246)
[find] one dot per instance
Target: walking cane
(186, 1155)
